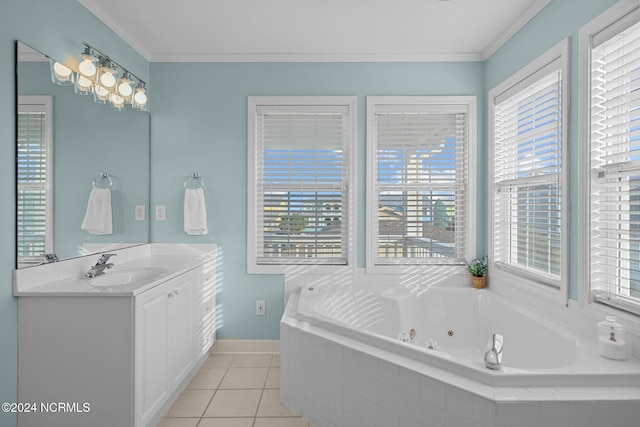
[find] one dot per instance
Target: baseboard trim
(245, 346)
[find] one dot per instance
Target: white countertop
(66, 278)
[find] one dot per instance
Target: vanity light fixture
(105, 79)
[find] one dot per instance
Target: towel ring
(103, 181)
(194, 181)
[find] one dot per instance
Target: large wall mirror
(67, 145)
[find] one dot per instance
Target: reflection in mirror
(67, 147)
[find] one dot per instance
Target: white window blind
(302, 184)
(615, 167)
(419, 198)
(527, 176)
(33, 216)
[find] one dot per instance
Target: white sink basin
(130, 276)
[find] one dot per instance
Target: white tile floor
(234, 390)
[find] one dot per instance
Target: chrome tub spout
(493, 355)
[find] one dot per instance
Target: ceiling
(314, 30)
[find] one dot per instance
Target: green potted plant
(478, 269)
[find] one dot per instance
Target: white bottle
(612, 339)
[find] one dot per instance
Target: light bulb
(100, 94)
(87, 67)
(84, 86)
(61, 74)
(124, 88)
(107, 78)
(117, 102)
(139, 101)
(140, 97)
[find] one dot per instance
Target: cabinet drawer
(206, 279)
(205, 311)
(204, 339)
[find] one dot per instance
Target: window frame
(623, 11)
(39, 103)
(258, 102)
(415, 102)
(500, 272)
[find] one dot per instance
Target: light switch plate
(140, 214)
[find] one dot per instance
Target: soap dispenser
(612, 340)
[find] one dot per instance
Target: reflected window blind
(420, 180)
(32, 175)
(615, 169)
(527, 177)
(302, 181)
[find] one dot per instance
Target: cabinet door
(152, 362)
(181, 359)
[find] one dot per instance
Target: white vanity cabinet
(126, 357)
(164, 343)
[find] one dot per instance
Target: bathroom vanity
(117, 349)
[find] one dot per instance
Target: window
(612, 125)
(528, 218)
(420, 194)
(301, 175)
(34, 179)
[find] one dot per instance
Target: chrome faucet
(493, 355)
(100, 266)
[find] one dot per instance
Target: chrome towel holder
(103, 181)
(194, 181)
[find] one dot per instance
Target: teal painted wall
(559, 19)
(200, 124)
(57, 28)
(90, 138)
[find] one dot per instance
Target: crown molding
(132, 41)
(314, 57)
(522, 20)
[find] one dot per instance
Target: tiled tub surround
(338, 376)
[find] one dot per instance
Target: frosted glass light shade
(100, 94)
(87, 68)
(61, 74)
(107, 78)
(139, 101)
(83, 85)
(117, 102)
(125, 89)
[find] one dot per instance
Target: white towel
(98, 219)
(195, 212)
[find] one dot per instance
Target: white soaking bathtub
(343, 364)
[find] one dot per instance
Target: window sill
(505, 282)
(293, 269)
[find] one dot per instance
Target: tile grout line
(270, 369)
(215, 391)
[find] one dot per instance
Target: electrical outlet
(261, 308)
(161, 214)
